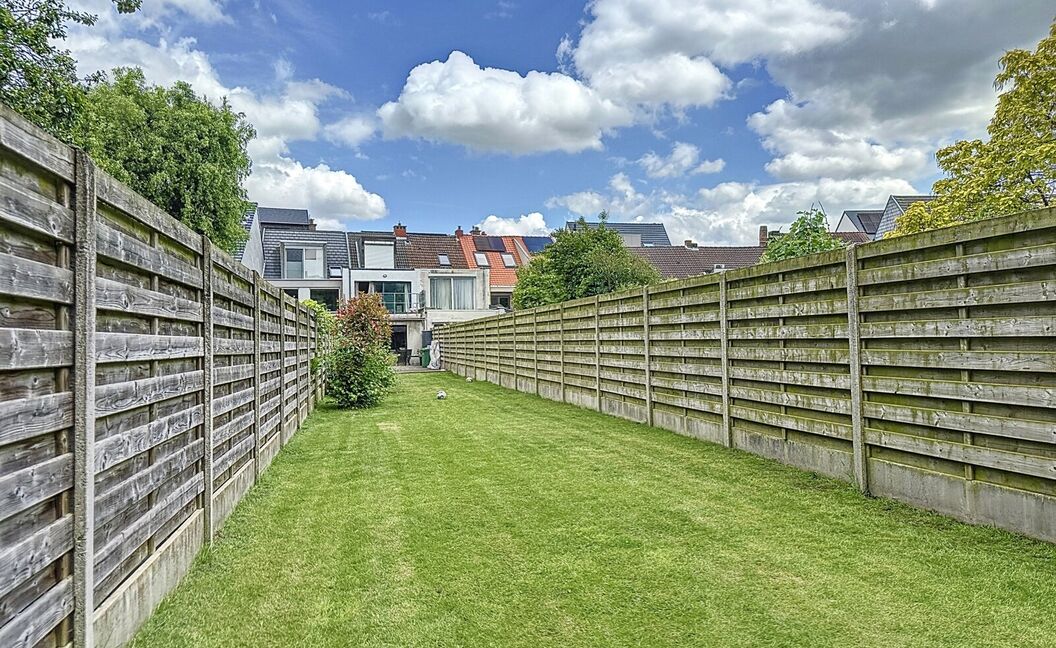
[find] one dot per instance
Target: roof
(247, 225)
(536, 244)
(651, 233)
(678, 261)
(499, 274)
(896, 206)
(282, 216)
(853, 237)
(864, 220)
(335, 246)
(422, 250)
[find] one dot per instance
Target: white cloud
(674, 79)
(351, 131)
(489, 109)
(683, 159)
(531, 224)
(289, 115)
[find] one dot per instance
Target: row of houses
(427, 280)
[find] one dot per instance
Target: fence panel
(140, 374)
(921, 368)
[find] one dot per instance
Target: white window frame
(319, 249)
(481, 259)
(508, 260)
(450, 280)
(443, 260)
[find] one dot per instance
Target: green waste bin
(425, 357)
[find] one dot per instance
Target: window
(719, 267)
(451, 293)
(304, 263)
(499, 300)
(482, 259)
(327, 298)
(507, 260)
(379, 254)
(443, 259)
(292, 292)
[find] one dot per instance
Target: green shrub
(359, 378)
(359, 369)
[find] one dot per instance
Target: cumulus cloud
(489, 109)
(531, 224)
(288, 115)
(351, 131)
(683, 159)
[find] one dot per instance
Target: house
(860, 220)
(633, 234)
(690, 259)
(423, 280)
(502, 256)
(896, 206)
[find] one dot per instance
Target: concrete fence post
(597, 352)
(561, 346)
(516, 383)
(256, 375)
(297, 365)
(535, 349)
(648, 357)
(854, 346)
(207, 388)
(724, 359)
(84, 262)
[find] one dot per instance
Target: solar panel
(536, 244)
(489, 243)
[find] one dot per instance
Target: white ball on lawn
(469, 378)
(441, 395)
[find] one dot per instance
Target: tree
(183, 153)
(809, 234)
(37, 78)
(1015, 169)
(580, 263)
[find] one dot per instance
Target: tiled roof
(335, 245)
(282, 216)
(853, 237)
(651, 233)
(500, 275)
(422, 251)
(678, 261)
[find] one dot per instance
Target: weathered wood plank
(231, 428)
(120, 397)
(797, 331)
(225, 404)
(232, 373)
(987, 327)
(803, 424)
(138, 486)
(131, 251)
(35, 552)
(30, 210)
(229, 346)
(35, 280)
(1029, 395)
(36, 621)
(987, 360)
(1018, 293)
(993, 261)
(231, 319)
(1015, 462)
(113, 192)
(27, 140)
(114, 449)
(25, 418)
(129, 347)
(792, 399)
(1014, 428)
(116, 296)
(797, 309)
(779, 376)
(32, 348)
(33, 484)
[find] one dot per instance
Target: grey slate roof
(896, 206)
(279, 216)
(866, 220)
(335, 245)
(651, 233)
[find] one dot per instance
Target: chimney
(311, 224)
(476, 231)
(400, 230)
(458, 232)
(690, 244)
(763, 236)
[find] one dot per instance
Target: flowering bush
(360, 365)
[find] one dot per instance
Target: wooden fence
(146, 379)
(921, 368)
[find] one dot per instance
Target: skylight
(443, 259)
(507, 260)
(482, 259)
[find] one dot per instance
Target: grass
(499, 519)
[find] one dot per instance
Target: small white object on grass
(469, 378)
(441, 395)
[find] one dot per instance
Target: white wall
(253, 256)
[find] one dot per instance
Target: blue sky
(712, 116)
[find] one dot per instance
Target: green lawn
(495, 518)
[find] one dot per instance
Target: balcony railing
(399, 303)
